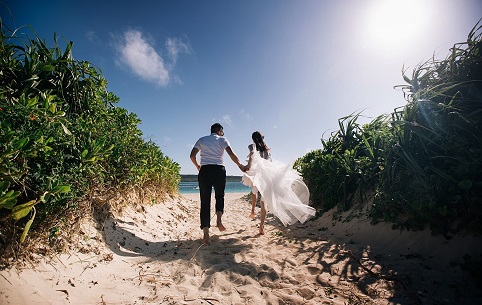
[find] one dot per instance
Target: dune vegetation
(421, 163)
(63, 142)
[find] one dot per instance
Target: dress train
(282, 189)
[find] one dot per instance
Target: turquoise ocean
(191, 187)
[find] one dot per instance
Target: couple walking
(282, 190)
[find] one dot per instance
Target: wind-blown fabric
(282, 189)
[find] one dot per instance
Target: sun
(392, 22)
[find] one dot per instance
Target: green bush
(349, 164)
(55, 113)
(423, 161)
(434, 168)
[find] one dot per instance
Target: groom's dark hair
(216, 127)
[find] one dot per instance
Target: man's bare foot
(205, 241)
(261, 230)
(219, 222)
(251, 215)
(221, 227)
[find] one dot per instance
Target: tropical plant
(55, 115)
(348, 164)
(434, 168)
(423, 161)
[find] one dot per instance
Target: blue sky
(287, 68)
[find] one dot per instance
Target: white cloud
(142, 59)
(246, 115)
(226, 119)
(176, 46)
(138, 53)
(92, 36)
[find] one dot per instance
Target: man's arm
(235, 158)
(193, 154)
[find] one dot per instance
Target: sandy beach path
(153, 255)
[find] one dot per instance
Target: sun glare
(391, 22)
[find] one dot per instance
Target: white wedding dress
(282, 189)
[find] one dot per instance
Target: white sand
(153, 255)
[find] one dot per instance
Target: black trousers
(211, 176)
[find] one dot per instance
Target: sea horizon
(192, 187)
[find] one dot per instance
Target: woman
(282, 190)
(259, 147)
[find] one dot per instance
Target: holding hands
(242, 167)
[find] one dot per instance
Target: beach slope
(151, 254)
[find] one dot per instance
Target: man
(212, 173)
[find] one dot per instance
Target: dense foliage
(61, 137)
(423, 162)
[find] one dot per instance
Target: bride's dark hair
(258, 139)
